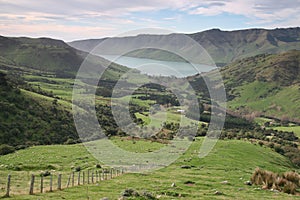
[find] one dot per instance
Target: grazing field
(230, 161)
(295, 129)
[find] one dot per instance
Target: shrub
(6, 149)
(287, 182)
(70, 141)
(292, 177)
(130, 193)
(78, 169)
(45, 173)
(98, 166)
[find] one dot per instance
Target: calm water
(157, 67)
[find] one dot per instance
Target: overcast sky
(78, 19)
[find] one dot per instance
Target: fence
(32, 184)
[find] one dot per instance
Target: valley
(261, 129)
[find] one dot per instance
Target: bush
(45, 173)
(70, 141)
(78, 169)
(287, 182)
(6, 149)
(98, 166)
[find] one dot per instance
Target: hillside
(29, 118)
(229, 161)
(223, 46)
(41, 54)
(45, 55)
(267, 83)
(37, 79)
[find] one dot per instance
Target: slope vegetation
(223, 46)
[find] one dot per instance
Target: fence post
(102, 174)
(111, 174)
(93, 177)
(83, 178)
(59, 182)
(8, 186)
(73, 179)
(78, 180)
(31, 185)
(69, 179)
(88, 177)
(42, 183)
(51, 183)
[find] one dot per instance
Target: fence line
(41, 183)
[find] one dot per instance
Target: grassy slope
(230, 160)
(295, 129)
(265, 83)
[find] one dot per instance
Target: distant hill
(266, 84)
(46, 55)
(42, 54)
(223, 46)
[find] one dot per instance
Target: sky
(83, 19)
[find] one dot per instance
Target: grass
(138, 145)
(230, 160)
(159, 117)
(295, 129)
(257, 96)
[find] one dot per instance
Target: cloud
(259, 12)
(125, 15)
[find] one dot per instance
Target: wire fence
(18, 183)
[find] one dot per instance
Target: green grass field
(169, 116)
(295, 129)
(260, 96)
(230, 160)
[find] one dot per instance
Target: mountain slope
(27, 118)
(42, 54)
(269, 84)
(36, 83)
(223, 46)
(45, 55)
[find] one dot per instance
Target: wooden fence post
(69, 179)
(88, 177)
(51, 183)
(59, 182)
(78, 179)
(93, 177)
(83, 178)
(42, 183)
(31, 185)
(8, 186)
(73, 179)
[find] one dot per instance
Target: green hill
(223, 46)
(263, 85)
(45, 55)
(229, 161)
(37, 78)
(42, 54)
(267, 83)
(29, 118)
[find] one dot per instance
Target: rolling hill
(266, 84)
(223, 46)
(36, 83)
(230, 161)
